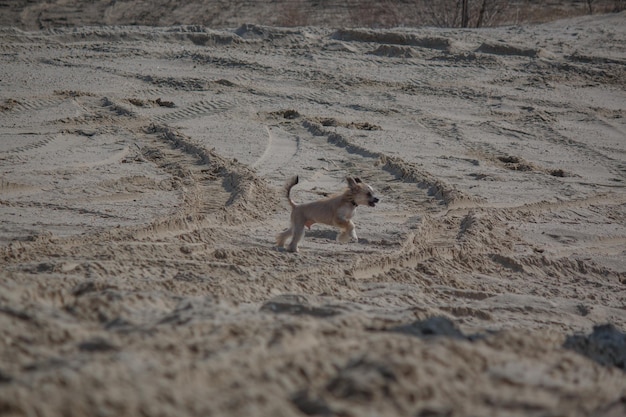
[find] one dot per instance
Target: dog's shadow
(321, 234)
(330, 234)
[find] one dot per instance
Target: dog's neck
(348, 196)
(351, 200)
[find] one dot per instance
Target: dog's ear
(352, 182)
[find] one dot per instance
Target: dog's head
(362, 194)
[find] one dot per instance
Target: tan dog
(336, 210)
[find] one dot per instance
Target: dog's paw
(346, 237)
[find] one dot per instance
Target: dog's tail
(293, 181)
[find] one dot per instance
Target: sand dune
(141, 174)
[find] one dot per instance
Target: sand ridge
(141, 185)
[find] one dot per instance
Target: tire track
(404, 170)
(30, 104)
(277, 144)
(462, 236)
(551, 135)
(60, 207)
(195, 110)
(248, 195)
(31, 146)
(395, 182)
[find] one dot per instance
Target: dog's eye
(369, 194)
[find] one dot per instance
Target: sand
(141, 175)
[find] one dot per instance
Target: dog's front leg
(348, 232)
(353, 232)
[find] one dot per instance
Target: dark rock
(606, 345)
(433, 326)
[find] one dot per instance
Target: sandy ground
(141, 174)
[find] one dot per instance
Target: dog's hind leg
(283, 236)
(298, 233)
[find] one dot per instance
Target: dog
(336, 210)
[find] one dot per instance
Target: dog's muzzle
(372, 202)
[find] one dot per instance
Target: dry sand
(141, 174)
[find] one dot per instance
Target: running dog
(336, 210)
